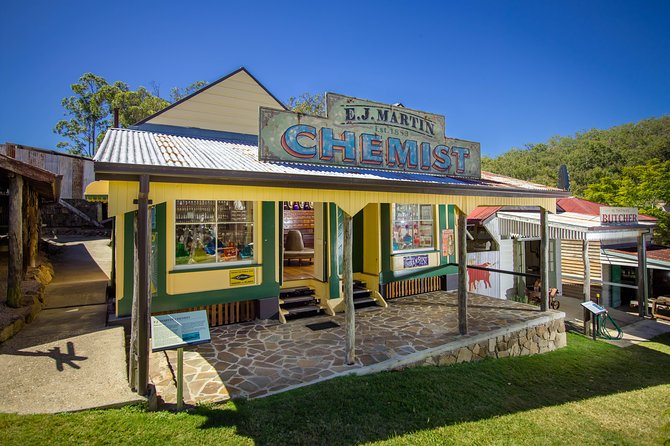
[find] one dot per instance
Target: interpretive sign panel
(170, 331)
(594, 308)
(618, 216)
(367, 134)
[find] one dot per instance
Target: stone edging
(543, 334)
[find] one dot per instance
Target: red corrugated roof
(481, 213)
(654, 252)
(586, 207)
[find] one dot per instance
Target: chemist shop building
(247, 202)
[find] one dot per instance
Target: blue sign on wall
(415, 261)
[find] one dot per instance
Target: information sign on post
(175, 331)
(171, 331)
(595, 310)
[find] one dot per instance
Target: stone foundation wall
(540, 338)
(33, 288)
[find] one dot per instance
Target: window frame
(216, 264)
(433, 220)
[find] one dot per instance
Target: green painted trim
(162, 301)
(615, 277)
(385, 240)
(334, 277)
(357, 254)
(451, 214)
(442, 224)
(214, 267)
(125, 305)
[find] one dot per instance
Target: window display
(412, 227)
(209, 231)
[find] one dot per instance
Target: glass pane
(235, 211)
(412, 226)
(194, 211)
(235, 241)
(195, 244)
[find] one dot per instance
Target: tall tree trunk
(15, 265)
(348, 276)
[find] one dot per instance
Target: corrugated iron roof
(236, 152)
(586, 207)
(481, 213)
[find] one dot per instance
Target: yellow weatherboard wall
(231, 105)
(122, 194)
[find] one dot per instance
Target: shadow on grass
(353, 410)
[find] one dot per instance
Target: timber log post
(15, 264)
(544, 260)
(348, 279)
(462, 274)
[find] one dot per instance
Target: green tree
(177, 93)
(90, 109)
(86, 113)
(645, 186)
(308, 104)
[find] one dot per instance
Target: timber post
(462, 274)
(33, 228)
(348, 283)
(15, 232)
(587, 283)
(143, 294)
(544, 260)
(642, 281)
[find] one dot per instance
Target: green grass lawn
(587, 393)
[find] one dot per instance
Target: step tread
(297, 299)
(297, 291)
(303, 309)
(360, 300)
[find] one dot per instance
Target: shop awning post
(348, 279)
(143, 255)
(462, 274)
(544, 260)
(642, 282)
(587, 283)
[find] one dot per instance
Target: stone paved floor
(256, 358)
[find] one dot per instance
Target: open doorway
(303, 240)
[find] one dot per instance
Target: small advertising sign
(171, 331)
(415, 261)
(618, 216)
(594, 308)
(447, 242)
(245, 276)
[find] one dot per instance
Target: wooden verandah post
(15, 230)
(462, 274)
(587, 282)
(348, 283)
(544, 260)
(642, 280)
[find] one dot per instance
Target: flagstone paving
(257, 358)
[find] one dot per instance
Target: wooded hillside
(589, 155)
(626, 165)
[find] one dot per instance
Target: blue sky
(503, 73)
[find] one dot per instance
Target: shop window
(210, 232)
(413, 227)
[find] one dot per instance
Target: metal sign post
(180, 378)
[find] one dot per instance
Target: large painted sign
(366, 134)
(618, 216)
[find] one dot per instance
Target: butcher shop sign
(366, 134)
(618, 216)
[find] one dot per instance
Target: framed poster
(447, 242)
